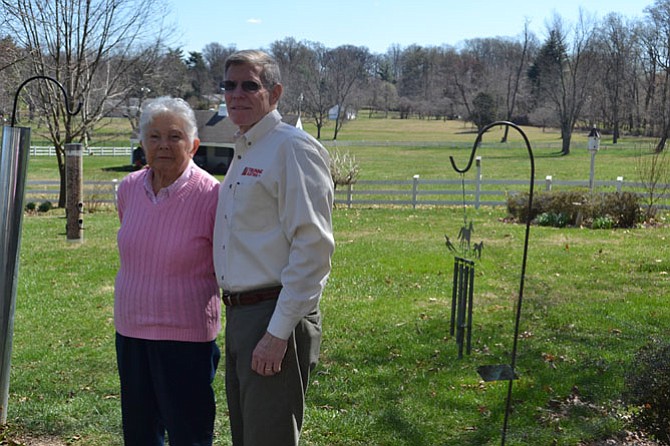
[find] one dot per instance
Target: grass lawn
(404, 148)
(389, 373)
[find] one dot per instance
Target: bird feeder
(13, 163)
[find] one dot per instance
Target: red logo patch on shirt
(252, 172)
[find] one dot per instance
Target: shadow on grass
(125, 168)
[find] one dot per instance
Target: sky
(375, 24)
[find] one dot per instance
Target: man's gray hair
(270, 75)
(169, 106)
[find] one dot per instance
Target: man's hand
(268, 355)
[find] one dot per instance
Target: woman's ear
(196, 144)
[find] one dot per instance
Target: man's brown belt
(250, 297)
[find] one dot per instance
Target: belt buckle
(228, 299)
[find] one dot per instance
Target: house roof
(217, 129)
(214, 128)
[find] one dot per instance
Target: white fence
(100, 151)
(478, 192)
(95, 192)
(415, 192)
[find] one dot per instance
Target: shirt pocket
(255, 208)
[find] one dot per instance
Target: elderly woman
(167, 304)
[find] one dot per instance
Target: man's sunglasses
(247, 86)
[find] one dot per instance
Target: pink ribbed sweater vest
(166, 287)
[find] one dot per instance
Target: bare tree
(616, 47)
(215, 56)
(88, 46)
(463, 81)
(294, 59)
(517, 57)
(657, 42)
(347, 66)
(562, 73)
(11, 60)
(316, 93)
(502, 63)
(653, 170)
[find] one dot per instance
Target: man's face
(246, 108)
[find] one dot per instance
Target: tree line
(111, 55)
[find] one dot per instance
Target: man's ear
(275, 94)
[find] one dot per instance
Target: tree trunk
(661, 143)
(615, 132)
(505, 135)
(61, 173)
(566, 136)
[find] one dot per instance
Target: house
(349, 114)
(217, 138)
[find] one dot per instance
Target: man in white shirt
(273, 242)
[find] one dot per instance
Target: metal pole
(13, 162)
(478, 179)
(415, 188)
(593, 170)
(454, 297)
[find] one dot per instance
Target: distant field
(399, 149)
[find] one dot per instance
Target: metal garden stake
(504, 372)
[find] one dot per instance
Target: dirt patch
(35, 441)
(624, 439)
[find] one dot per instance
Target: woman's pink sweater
(166, 287)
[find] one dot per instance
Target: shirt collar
(172, 188)
(261, 128)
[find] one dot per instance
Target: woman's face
(167, 146)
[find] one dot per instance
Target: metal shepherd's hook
(48, 78)
(13, 162)
(511, 374)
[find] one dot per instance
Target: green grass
(397, 160)
(389, 373)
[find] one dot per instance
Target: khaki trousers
(267, 411)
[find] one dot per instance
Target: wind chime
(464, 273)
(463, 281)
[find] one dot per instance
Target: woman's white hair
(172, 106)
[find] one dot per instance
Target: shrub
(566, 207)
(31, 206)
(577, 208)
(647, 390)
(517, 207)
(343, 168)
(552, 219)
(45, 206)
(605, 222)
